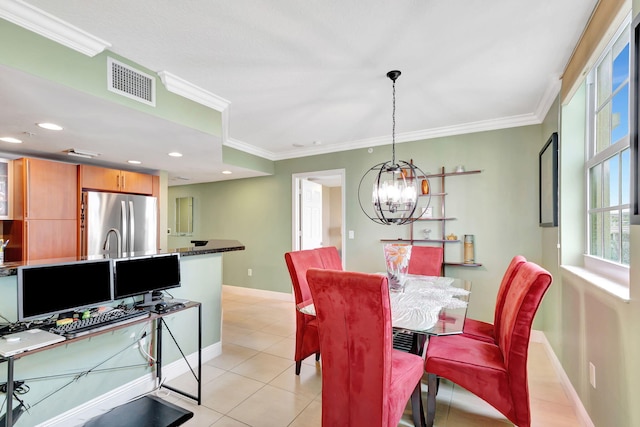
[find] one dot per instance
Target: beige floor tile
(202, 416)
(188, 383)
(257, 340)
(285, 348)
(263, 367)
(311, 416)
(283, 328)
(229, 422)
(228, 391)
(308, 383)
(270, 407)
(232, 355)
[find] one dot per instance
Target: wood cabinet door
(97, 178)
(51, 190)
(49, 238)
(134, 182)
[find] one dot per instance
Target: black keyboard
(100, 322)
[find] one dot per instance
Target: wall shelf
(442, 219)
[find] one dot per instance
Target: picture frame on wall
(548, 182)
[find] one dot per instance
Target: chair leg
(432, 382)
(417, 409)
(317, 356)
(298, 366)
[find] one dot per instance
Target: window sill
(611, 287)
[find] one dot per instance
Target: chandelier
(396, 184)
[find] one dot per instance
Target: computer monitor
(48, 289)
(146, 274)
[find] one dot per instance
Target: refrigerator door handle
(124, 228)
(132, 229)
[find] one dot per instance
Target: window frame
(598, 263)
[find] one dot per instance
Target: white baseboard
(581, 412)
(238, 290)
(138, 387)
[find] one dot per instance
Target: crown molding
(465, 128)
(47, 25)
(181, 87)
(548, 98)
(251, 149)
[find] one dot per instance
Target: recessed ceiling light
(175, 154)
(227, 172)
(50, 126)
(134, 162)
(11, 140)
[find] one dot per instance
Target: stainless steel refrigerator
(134, 217)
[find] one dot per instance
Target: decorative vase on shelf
(469, 255)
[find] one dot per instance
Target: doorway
(319, 210)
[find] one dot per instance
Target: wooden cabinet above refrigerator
(114, 180)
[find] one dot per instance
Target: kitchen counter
(212, 246)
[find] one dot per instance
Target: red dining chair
(478, 329)
(365, 382)
(497, 373)
(298, 262)
(330, 257)
(426, 260)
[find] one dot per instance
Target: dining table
(427, 305)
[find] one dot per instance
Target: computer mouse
(9, 338)
(161, 306)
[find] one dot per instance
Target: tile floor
(253, 382)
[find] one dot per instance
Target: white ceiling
(306, 77)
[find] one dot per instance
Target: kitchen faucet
(118, 241)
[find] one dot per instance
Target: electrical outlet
(352, 234)
(249, 272)
(592, 375)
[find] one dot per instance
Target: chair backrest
(523, 298)
(426, 260)
(514, 265)
(330, 256)
(298, 262)
(354, 316)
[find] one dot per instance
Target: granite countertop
(212, 246)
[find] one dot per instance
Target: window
(608, 153)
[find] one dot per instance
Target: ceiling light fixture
(227, 172)
(81, 153)
(395, 184)
(134, 162)
(50, 126)
(11, 140)
(175, 154)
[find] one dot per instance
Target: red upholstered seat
(365, 382)
(298, 263)
(495, 372)
(426, 260)
(478, 329)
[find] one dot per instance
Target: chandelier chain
(393, 128)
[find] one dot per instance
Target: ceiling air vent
(129, 82)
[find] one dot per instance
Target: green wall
(499, 206)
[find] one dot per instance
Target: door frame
(295, 205)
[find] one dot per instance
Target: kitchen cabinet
(45, 210)
(5, 189)
(114, 180)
